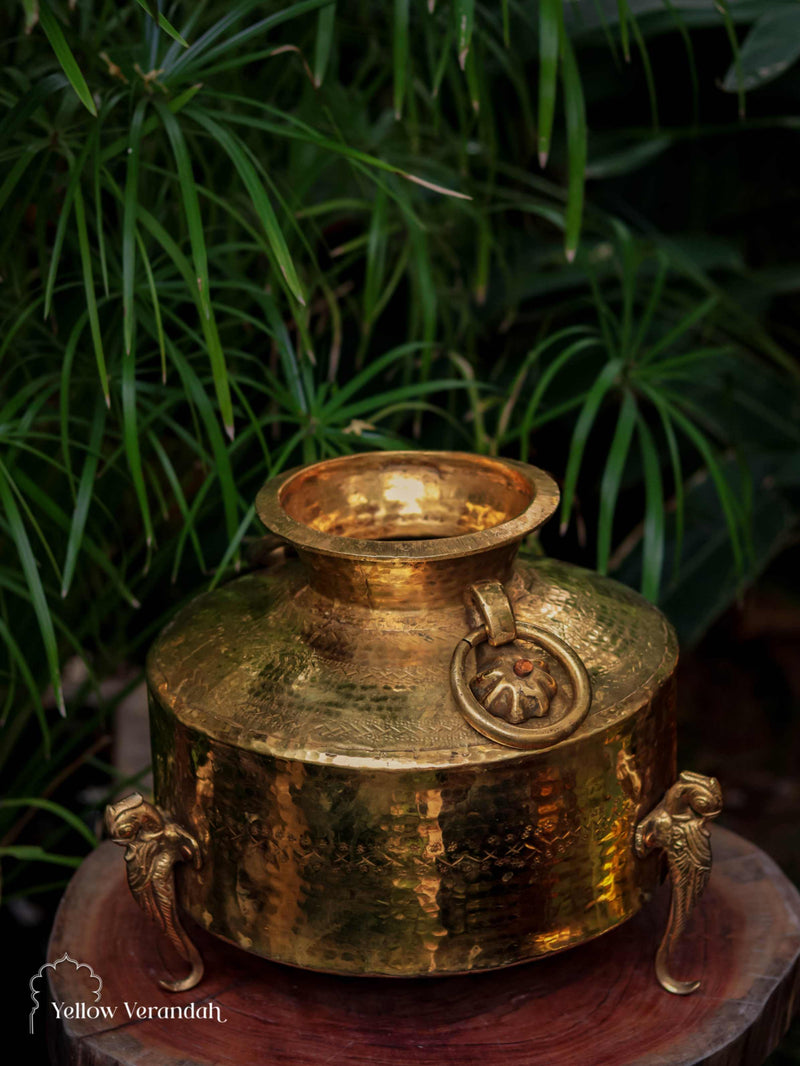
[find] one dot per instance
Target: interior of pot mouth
(404, 496)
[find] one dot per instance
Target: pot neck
(405, 583)
(407, 529)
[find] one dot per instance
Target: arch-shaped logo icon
(51, 966)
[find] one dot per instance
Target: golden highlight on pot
(401, 751)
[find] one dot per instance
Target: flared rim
(543, 501)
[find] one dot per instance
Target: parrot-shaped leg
(677, 825)
(153, 844)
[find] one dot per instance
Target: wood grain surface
(596, 1005)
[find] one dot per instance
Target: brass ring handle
(517, 736)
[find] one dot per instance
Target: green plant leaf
(54, 808)
(204, 50)
(151, 284)
(724, 492)
(34, 582)
(677, 478)
(359, 381)
(31, 9)
(179, 495)
(444, 56)
(583, 426)
(529, 421)
(247, 172)
(302, 132)
(400, 54)
(233, 547)
(679, 23)
(176, 105)
(653, 543)
(222, 463)
(15, 173)
(63, 523)
(326, 21)
(200, 260)
(55, 36)
(377, 239)
(21, 659)
(520, 379)
(190, 203)
(769, 49)
(464, 14)
(404, 392)
(130, 431)
(612, 476)
(623, 13)
(629, 157)
(26, 106)
(33, 853)
(697, 314)
(129, 233)
(653, 301)
(163, 22)
(75, 175)
(575, 111)
(98, 219)
(648, 72)
(83, 499)
(88, 288)
(724, 9)
(550, 31)
(626, 255)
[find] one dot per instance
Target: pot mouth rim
(539, 487)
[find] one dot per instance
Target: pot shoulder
(266, 664)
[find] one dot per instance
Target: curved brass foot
(153, 844)
(677, 825)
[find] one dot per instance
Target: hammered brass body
(349, 818)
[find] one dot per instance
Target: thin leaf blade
(164, 23)
(583, 426)
(612, 477)
(653, 540)
(400, 54)
(577, 139)
(550, 29)
(326, 21)
(58, 43)
(30, 570)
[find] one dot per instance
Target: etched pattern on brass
(236, 664)
(678, 827)
(350, 818)
(153, 844)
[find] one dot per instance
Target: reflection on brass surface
(304, 725)
(678, 826)
(402, 529)
(628, 776)
(153, 845)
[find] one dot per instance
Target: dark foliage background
(562, 233)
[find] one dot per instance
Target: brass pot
(401, 751)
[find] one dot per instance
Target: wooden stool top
(596, 1005)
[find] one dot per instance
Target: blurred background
(240, 236)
